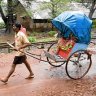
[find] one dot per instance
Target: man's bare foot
(4, 80)
(30, 76)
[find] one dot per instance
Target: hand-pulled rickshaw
(75, 54)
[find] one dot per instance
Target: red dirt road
(48, 81)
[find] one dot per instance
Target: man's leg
(31, 75)
(9, 74)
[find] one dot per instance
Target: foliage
(77, 0)
(39, 37)
(94, 24)
(2, 25)
(51, 33)
(31, 39)
(56, 6)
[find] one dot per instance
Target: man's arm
(24, 46)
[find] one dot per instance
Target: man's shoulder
(21, 33)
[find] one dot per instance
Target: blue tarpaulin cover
(77, 23)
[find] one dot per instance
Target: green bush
(2, 25)
(51, 33)
(94, 24)
(31, 39)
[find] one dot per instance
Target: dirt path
(48, 81)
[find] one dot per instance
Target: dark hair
(18, 24)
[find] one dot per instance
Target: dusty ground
(48, 81)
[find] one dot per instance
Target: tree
(91, 5)
(56, 6)
(9, 18)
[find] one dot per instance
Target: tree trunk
(10, 16)
(92, 9)
(91, 13)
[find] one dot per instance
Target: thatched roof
(34, 9)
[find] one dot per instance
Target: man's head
(17, 26)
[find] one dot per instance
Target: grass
(42, 36)
(46, 39)
(32, 36)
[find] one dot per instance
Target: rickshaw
(78, 60)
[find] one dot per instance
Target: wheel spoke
(78, 66)
(52, 50)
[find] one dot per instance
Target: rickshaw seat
(79, 46)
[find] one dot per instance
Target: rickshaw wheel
(78, 64)
(52, 49)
